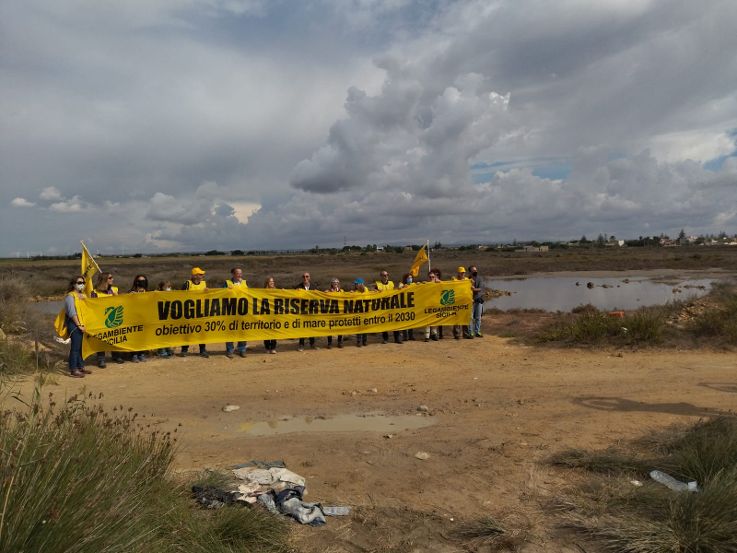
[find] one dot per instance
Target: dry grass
(653, 519)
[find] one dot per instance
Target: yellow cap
(461, 270)
(197, 271)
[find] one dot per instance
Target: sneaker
(76, 373)
(340, 345)
(241, 354)
(101, 365)
(272, 351)
(204, 354)
(479, 335)
(119, 361)
(383, 341)
(434, 338)
(229, 354)
(85, 371)
(135, 359)
(300, 348)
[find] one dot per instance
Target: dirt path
(497, 410)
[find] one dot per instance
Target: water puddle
(564, 293)
(371, 422)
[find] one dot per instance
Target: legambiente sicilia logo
(447, 297)
(113, 316)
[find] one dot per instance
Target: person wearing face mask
(407, 280)
(104, 287)
(139, 286)
(474, 327)
(165, 353)
(75, 327)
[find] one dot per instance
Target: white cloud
(21, 202)
(135, 110)
(50, 193)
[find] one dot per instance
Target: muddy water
(552, 293)
(374, 422)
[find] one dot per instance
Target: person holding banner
(104, 287)
(359, 287)
(236, 280)
(474, 327)
(334, 288)
(306, 285)
(140, 285)
(381, 285)
(270, 345)
(431, 332)
(75, 327)
(196, 284)
(457, 329)
(407, 280)
(166, 353)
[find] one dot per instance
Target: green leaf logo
(447, 297)
(113, 316)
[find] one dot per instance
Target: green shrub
(78, 479)
(14, 295)
(652, 518)
(591, 327)
(15, 358)
(719, 322)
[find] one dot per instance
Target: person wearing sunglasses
(140, 285)
(75, 327)
(104, 287)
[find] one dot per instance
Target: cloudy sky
(185, 125)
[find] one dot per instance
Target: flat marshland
(529, 442)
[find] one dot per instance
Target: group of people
(104, 286)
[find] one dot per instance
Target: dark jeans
(185, 349)
(270, 344)
(397, 336)
(302, 342)
(330, 340)
(241, 347)
(75, 350)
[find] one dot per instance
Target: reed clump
(75, 477)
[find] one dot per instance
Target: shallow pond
(552, 293)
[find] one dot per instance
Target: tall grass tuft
(719, 322)
(14, 295)
(75, 478)
(654, 519)
(591, 327)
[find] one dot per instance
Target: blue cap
(358, 281)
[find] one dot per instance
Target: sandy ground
(497, 411)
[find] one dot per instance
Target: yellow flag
(420, 259)
(89, 269)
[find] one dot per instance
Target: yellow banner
(139, 322)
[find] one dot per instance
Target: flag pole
(429, 264)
